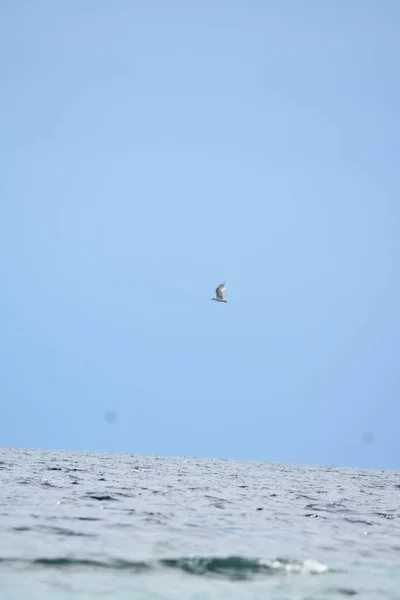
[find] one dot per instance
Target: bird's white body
(219, 293)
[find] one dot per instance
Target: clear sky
(151, 150)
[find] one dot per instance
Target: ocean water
(97, 525)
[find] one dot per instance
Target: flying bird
(219, 293)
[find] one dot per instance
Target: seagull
(219, 297)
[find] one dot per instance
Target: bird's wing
(220, 290)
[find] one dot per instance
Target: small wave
(358, 521)
(47, 484)
(330, 507)
(389, 516)
(64, 531)
(85, 518)
(239, 567)
(102, 498)
(230, 567)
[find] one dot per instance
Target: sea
(106, 525)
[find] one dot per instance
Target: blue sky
(151, 150)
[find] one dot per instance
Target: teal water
(87, 525)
